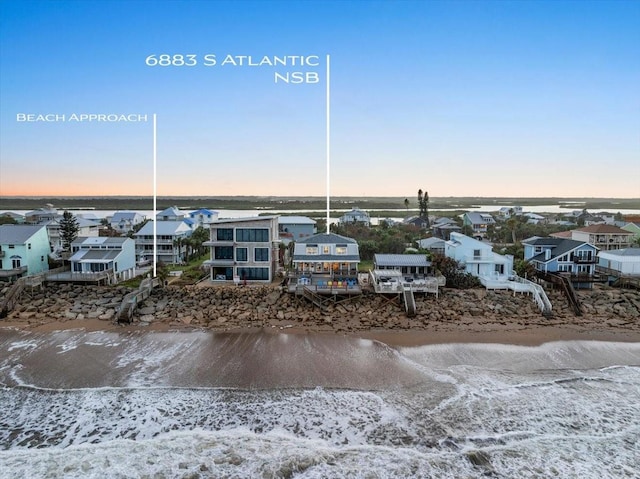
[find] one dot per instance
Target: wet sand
(468, 332)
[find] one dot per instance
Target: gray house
(295, 228)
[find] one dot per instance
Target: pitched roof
(561, 234)
(203, 211)
(95, 255)
(124, 215)
(559, 247)
(18, 234)
(401, 260)
(603, 229)
(164, 228)
(327, 238)
(171, 211)
(478, 217)
(100, 240)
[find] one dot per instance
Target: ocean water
(265, 405)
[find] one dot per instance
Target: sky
(458, 98)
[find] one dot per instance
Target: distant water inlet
(81, 404)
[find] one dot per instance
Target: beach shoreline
(456, 316)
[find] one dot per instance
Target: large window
(223, 252)
(261, 254)
(252, 235)
(241, 254)
(312, 249)
(253, 273)
(341, 249)
(225, 234)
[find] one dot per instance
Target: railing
(539, 295)
(584, 259)
(470, 258)
(13, 272)
(93, 277)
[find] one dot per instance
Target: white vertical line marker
(328, 137)
(155, 197)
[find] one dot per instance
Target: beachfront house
(24, 250)
(114, 255)
(203, 218)
(410, 265)
(326, 254)
(170, 237)
(243, 249)
(478, 258)
(124, 221)
(295, 228)
(619, 263)
(355, 216)
(478, 223)
(576, 259)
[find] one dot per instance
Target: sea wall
(232, 307)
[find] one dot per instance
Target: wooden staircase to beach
(130, 301)
(409, 302)
(567, 289)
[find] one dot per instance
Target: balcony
(584, 259)
(7, 273)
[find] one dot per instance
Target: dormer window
(312, 249)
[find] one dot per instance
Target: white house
(171, 213)
(478, 258)
(244, 249)
(507, 212)
(625, 261)
(86, 228)
(355, 216)
(169, 236)
(125, 221)
(98, 254)
(414, 265)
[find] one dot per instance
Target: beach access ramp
(130, 301)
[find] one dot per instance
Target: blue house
(562, 255)
(203, 217)
(24, 250)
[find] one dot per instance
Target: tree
(423, 204)
(406, 204)
(7, 220)
(69, 228)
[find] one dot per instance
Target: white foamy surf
(201, 405)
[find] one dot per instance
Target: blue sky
(469, 98)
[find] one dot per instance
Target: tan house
(605, 237)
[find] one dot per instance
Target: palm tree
(178, 243)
